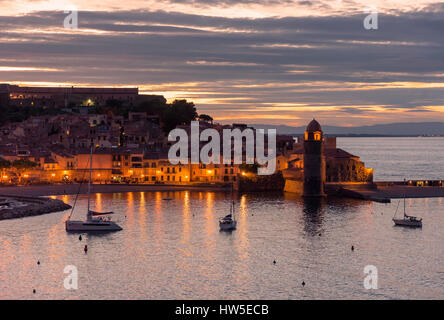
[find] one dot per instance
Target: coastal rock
(18, 206)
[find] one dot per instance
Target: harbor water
(174, 249)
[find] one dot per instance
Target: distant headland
(399, 129)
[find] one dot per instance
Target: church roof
(338, 153)
(314, 126)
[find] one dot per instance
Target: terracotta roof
(155, 155)
(50, 160)
(118, 150)
(338, 153)
(282, 137)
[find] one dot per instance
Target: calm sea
(394, 159)
(174, 249)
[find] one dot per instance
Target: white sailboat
(408, 221)
(229, 221)
(95, 221)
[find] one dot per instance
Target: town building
(64, 97)
(316, 161)
(135, 150)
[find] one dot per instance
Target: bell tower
(314, 161)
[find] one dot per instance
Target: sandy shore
(62, 189)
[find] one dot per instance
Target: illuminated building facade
(63, 97)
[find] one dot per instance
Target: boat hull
(228, 226)
(407, 223)
(78, 226)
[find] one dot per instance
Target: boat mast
(89, 182)
(232, 201)
(404, 206)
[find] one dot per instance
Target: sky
(252, 61)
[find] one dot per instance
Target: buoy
(80, 237)
(86, 248)
(353, 248)
(303, 283)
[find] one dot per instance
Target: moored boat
(229, 221)
(95, 221)
(407, 221)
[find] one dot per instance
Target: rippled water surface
(397, 158)
(174, 249)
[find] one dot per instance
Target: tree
(22, 165)
(206, 118)
(71, 104)
(251, 168)
(152, 107)
(4, 164)
(180, 112)
(113, 106)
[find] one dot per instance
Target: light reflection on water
(174, 249)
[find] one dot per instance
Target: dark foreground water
(174, 250)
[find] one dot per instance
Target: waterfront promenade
(69, 189)
(399, 191)
(383, 192)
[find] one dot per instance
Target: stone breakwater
(254, 183)
(12, 207)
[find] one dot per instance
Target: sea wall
(19, 206)
(294, 186)
(253, 182)
(347, 170)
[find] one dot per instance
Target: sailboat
(95, 221)
(229, 221)
(408, 221)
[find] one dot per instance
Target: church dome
(314, 126)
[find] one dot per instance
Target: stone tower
(314, 161)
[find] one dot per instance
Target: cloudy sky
(253, 61)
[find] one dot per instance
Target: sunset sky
(252, 61)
